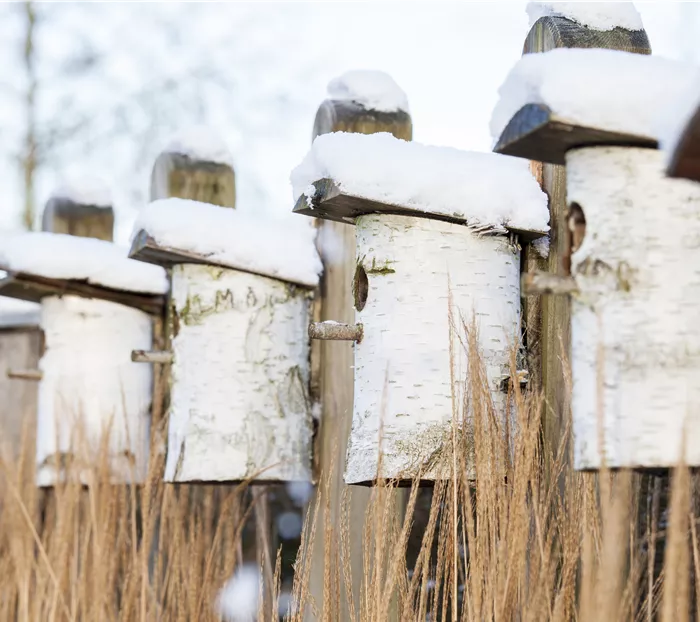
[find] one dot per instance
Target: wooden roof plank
(331, 203)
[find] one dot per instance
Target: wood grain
(85, 221)
(535, 133)
(179, 176)
(331, 203)
(20, 348)
(548, 33)
(33, 288)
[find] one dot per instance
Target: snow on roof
(605, 89)
(485, 189)
(596, 15)
(84, 191)
(279, 248)
(15, 312)
(375, 90)
(200, 143)
(59, 256)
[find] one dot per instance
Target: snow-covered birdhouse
(633, 248)
(436, 242)
(96, 307)
(241, 292)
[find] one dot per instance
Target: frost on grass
(60, 256)
(374, 90)
(84, 191)
(595, 15)
(18, 313)
(484, 189)
(238, 599)
(281, 248)
(606, 89)
(200, 143)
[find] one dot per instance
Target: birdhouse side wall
(635, 338)
(91, 388)
(240, 406)
(423, 284)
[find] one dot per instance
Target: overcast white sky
(450, 58)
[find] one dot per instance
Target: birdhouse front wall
(239, 401)
(420, 284)
(635, 337)
(91, 396)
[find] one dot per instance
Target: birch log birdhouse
(240, 298)
(437, 254)
(96, 307)
(633, 253)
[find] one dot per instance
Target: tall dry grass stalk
(518, 542)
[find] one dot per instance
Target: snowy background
(113, 82)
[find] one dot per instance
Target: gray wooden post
(331, 361)
(20, 349)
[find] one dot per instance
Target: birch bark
(635, 337)
(240, 378)
(407, 269)
(90, 387)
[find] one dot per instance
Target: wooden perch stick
(335, 331)
(25, 374)
(162, 357)
(547, 283)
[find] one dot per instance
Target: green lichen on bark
(194, 311)
(375, 267)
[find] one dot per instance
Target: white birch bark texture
(403, 382)
(92, 398)
(635, 337)
(239, 403)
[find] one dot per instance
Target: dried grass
(521, 542)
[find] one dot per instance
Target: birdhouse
(241, 291)
(633, 250)
(436, 246)
(96, 307)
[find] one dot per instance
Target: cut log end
(335, 331)
(534, 283)
(159, 357)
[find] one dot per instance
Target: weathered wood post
(546, 318)
(431, 256)
(20, 349)
(96, 306)
(356, 105)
